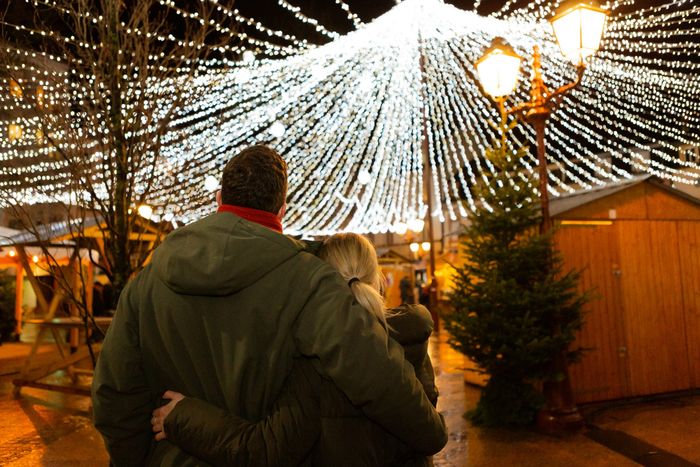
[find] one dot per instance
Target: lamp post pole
(539, 123)
(428, 190)
(498, 71)
(537, 116)
(433, 285)
(536, 112)
(560, 412)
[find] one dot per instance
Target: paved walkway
(52, 429)
(12, 356)
(670, 428)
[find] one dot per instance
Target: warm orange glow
(40, 96)
(35, 258)
(145, 210)
(12, 253)
(586, 222)
(14, 132)
(15, 89)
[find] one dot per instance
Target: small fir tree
(514, 307)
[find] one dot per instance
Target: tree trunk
(119, 241)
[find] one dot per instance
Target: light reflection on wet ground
(47, 428)
(452, 403)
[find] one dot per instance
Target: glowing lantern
(499, 68)
(579, 27)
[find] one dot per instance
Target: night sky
(269, 12)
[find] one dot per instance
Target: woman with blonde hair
(356, 260)
(313, 423)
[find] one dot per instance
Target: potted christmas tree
(515, 310)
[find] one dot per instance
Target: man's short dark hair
(255, 178)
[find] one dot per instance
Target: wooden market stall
(58, 252)
(638, 246)
(55, 312)
(395, 268)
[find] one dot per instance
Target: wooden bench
(68, 354)
(68, 357)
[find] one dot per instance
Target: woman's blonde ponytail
(356, 260)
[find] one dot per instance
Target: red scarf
(264, 218)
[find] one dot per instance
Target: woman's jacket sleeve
(283, 438)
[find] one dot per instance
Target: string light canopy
(351, 116)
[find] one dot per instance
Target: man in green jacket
(220, 314)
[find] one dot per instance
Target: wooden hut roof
(586, 201)
(389, 256)
(52, 233)
(60, 233)
(6, 232)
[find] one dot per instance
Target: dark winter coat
(220, 314)
(344, 436)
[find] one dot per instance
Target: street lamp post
(578, 28)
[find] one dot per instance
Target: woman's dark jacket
(313, 423)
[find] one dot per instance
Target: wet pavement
(44, 428)
(47, 428)
(479, 447)
(669, 426)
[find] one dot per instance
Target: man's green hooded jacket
(220, 314)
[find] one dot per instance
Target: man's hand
(159, 415)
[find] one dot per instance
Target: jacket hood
(410, 324)
(220, 255)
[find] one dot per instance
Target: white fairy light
(211, 183)
(243, 75)
(248, 57)
(145, 210)
(305, 19)
(416, 225)
(356, 21)
(277, 130)
(363, 177)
